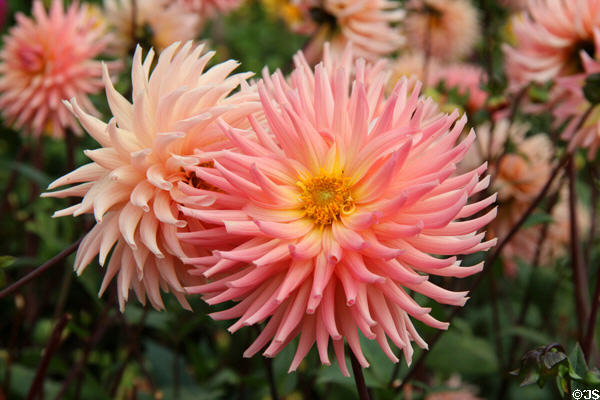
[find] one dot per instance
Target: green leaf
(577, 359)
(470, 355)
(6, 261)
(27, 171)
(537, 219)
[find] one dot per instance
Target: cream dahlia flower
(368, 24)
(445, 29)
(549, 38)
(158, 23)
(350, 199)
(47, 58)
(142, 172)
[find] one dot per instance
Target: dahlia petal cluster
(47, 58)
(157, 23)
(549, 38)
(351, 200)
(368, 24)
(445, 29)
(144, 169)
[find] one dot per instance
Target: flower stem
(271, 377)
(579, 271)
(53, 344)
(40, 270)
(361, 386)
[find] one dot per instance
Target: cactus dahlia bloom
(143, 169)
(48, 58)
(351, 197)
(549, 39)
(158, 23)
(445, 29)
(365, 23)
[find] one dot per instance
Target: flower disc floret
(326, 197)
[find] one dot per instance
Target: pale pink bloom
(47, 58)
(158, 23)
(519, 177)
(142, 171)
(549, 38)
(466, 78)
(574, 105)
(368, 24)
(209, 8)
(350, 197)
(446, 29)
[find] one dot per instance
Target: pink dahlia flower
(549, 39)
(350, 199)
(48, 58)
(574, 106)
(143, 169)
(209, 8)
(467, 79)
(158, 23)
(446, 29)
(368, 24)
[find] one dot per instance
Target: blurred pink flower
(466, 78)
(574, 105)
(48, 58)
(446, 29)
(158, 23)
(365, 23)
(143, 169)
(549, 38)
(350, 198)
(209, 8)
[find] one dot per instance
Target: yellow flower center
(326, 197)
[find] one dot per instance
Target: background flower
(47, 58)
(433, 27)
(158, 23)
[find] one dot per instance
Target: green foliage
(552, 363)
